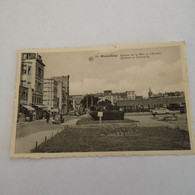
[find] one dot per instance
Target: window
(23, 69)
(36, 70)
(23, 82)
(24, 56)
(39, 87)
(23, 94)
(29, 70)
(40, 72)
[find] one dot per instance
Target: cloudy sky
(161, 71)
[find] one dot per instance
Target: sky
(93, 71)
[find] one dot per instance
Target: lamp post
(87, 102)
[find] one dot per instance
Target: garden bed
(91, 140)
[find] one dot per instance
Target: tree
(89, 101)
(105, 105)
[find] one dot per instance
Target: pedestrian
(47, 117)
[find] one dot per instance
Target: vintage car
(160, 111)
(72, 113)
(58, 118)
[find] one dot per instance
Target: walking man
(47, 117)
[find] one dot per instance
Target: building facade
(131, 95)
(115, 97)
(165, 94)
(32, 75)
(130, 102)
(139, 105)
(50, 91)
(108, 96)
(63, 93)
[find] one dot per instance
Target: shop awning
(54, 110)
(28, 107)
(41, 106)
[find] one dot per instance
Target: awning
(41, 106)
(54, 110)
(28, 107)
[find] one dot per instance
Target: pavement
(31, 132)
(138, 113)
(26, 128)
(27, 143)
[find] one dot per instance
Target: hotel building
(63, 93)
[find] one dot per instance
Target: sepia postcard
(102, 101)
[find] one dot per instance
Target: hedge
(108, 115)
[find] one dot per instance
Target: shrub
(108, 115)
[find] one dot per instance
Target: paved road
(150, 121)
(71, 122)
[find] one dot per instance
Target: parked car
(72, 113)
(160, 111)
(58, 118)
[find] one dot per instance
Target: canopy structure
(54, 110)
(28, 107)
(41, 106)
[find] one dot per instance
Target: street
(29, 133)
(148, 120)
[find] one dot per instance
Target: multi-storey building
(115, 97)
(108, 95)
(122, 96)
(63, 93)
(32, 74)
(131, 95)
(50, 98)
(107, 92)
